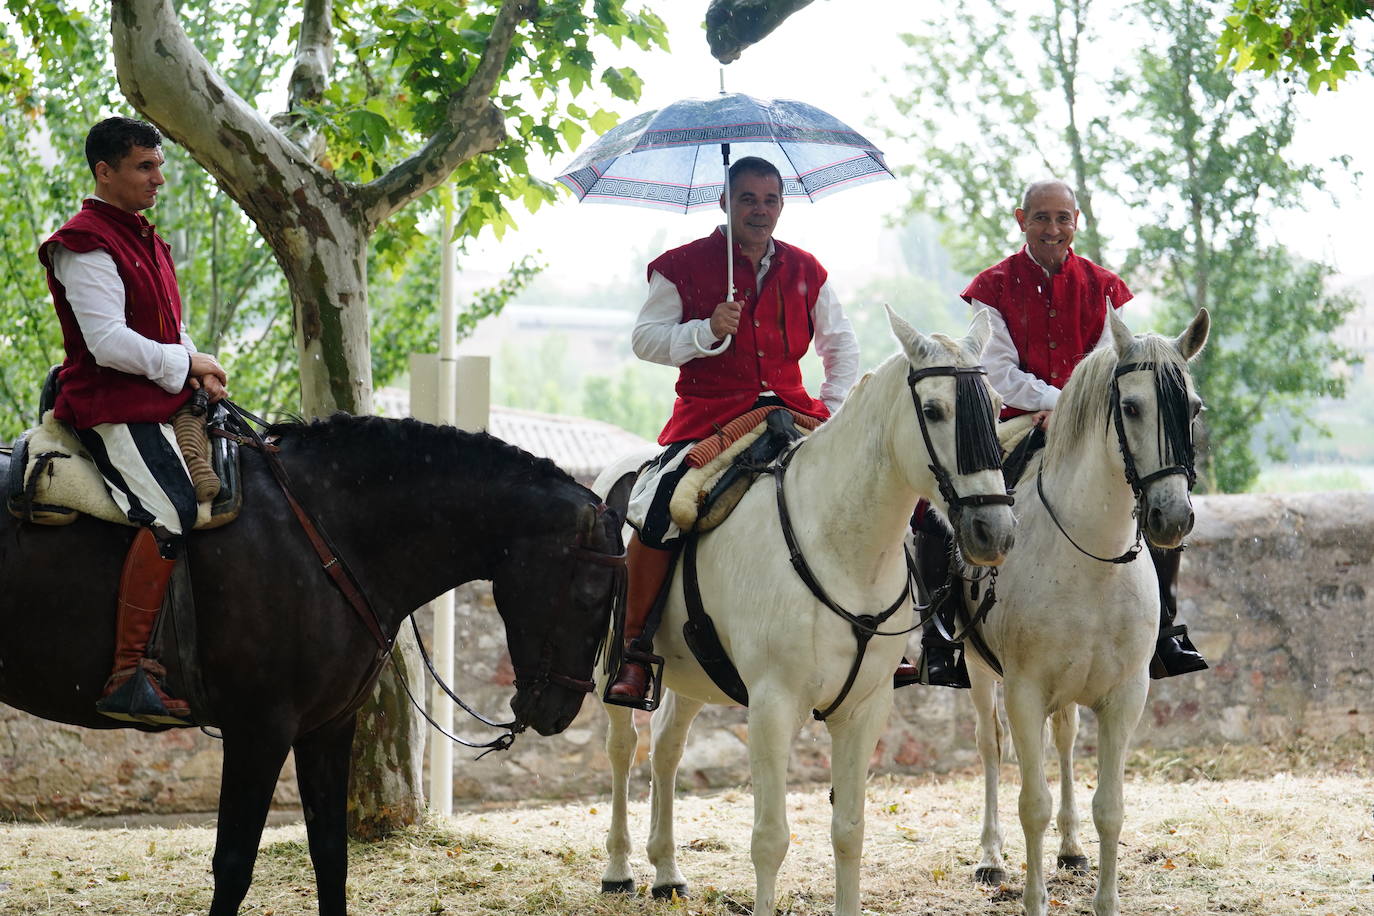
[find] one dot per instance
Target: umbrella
(668, 158)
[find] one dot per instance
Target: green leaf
(603, 121)
(623, 82)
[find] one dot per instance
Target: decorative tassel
(976, 445)
(1175, 423)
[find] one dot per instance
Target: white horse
(1075, 622)
(851, 489)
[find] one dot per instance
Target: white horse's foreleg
(668, 728)
(1026, 717)
(1065, 726)
(620, 748)
(1116, 720)
(773, 725)
(988, 735)
(852, 740)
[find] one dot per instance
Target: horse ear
(1195, 335)
(914, 343)
(979, 333)
(1122, 338)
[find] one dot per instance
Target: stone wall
(1276, 591)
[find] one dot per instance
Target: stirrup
(1175, 654)
(653, 692)
(951, 671)
(137, 700)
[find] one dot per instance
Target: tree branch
(169, 82)
(474, 126)
(733, 25)
(309, 77)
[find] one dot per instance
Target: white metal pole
(440, 748)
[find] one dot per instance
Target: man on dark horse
(1049, 309)
(782, 303)
(129, 366)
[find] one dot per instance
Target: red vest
(91, 394)
(775, 331)
(1053, 321)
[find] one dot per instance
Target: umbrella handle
(729, 242)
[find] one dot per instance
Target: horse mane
(1084, 407)
(478, 453)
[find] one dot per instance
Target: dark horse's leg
(322, 763)
(252, 763)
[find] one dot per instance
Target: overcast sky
(834, 54)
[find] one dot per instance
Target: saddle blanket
(65, 482)
(708, 461)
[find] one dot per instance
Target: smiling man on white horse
(782, 304)
(1048, 307)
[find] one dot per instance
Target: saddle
(53, 481)
(725, 465)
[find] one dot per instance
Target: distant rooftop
(580, 446)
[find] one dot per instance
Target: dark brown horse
(413, 510)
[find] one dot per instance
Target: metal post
(440, 748)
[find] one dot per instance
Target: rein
(343, 579)
(1132, 473)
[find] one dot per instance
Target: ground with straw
(1221, 831)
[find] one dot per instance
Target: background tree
(1212, 165)
(988, 121)
(1198, 156)
(1314, 40)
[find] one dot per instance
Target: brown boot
(134, 691)
(648, 567)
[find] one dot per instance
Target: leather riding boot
(942, 662)
(134, 691)
(1175, 653)
(648, 567)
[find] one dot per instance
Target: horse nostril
(980, 531)
(1155, 519)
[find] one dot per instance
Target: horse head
(1153, 407)
(557, 594)
(946, 439)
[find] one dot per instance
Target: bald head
(1049, 184)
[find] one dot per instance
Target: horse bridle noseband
(866, 626)
(1137, 482)
(342, 577)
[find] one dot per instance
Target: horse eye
(1198, 408)
(933, 413)
(1130, 409)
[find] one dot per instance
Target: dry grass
(1235, 831)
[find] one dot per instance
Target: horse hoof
(985, 874)
(669, 891)
(1077, 864)
(618, 887)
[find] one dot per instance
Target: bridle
(986, 453)
(341, 575)
(1180, 451)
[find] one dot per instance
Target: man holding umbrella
(734, 353)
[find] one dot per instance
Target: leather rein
(339, 573)
(1137, 482)
(866, 626)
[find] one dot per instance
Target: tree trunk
(385, 789)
